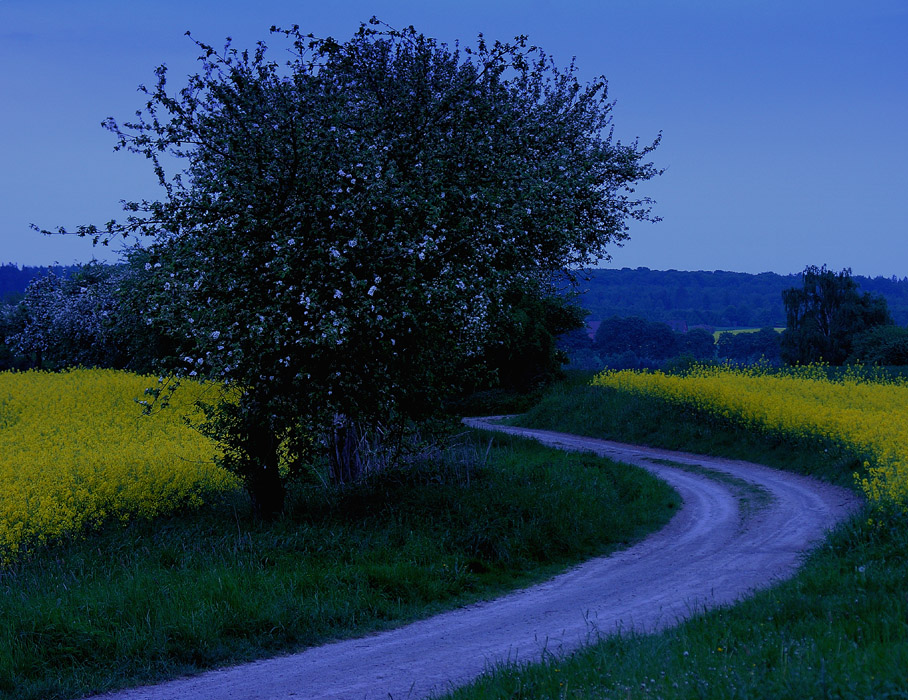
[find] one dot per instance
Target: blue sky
(784, 123)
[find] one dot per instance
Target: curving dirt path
(741, 527)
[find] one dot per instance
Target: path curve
(713, 552)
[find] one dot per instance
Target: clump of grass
(152, 599)
(838, 629)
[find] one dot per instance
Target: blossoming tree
(335, 249)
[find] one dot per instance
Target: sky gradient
(783, 124)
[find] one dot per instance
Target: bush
(883, 345)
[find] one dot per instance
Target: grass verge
(154, 599)
(838, 629)
(575, 407)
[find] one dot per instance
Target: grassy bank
(576, 407)
(839, 629)
(152, 599)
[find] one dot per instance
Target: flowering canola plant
(868, 418)
(76, 450)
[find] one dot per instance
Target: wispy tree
(825, 314)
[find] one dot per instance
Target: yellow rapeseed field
(869, 418)
(76, 450)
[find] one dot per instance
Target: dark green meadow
(150, 600)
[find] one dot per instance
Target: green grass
(838, 629)
(575, 407)
(149, 600)
(736, 331)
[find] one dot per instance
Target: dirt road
(742, 526)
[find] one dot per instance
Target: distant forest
(14, 279)
(718, 299)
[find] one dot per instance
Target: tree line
(719, 298)
(14, 278)
(828, 318)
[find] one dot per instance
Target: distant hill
(719, 299)
(14, 279)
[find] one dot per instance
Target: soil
(741, 527)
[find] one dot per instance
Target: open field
(838, 629)
(850, 414)
(139, 597)
(77, 452)
(741, 526)
(736, 331)
(135, 599)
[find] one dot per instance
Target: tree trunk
(266, 491)
(346, 462)
(262, 478)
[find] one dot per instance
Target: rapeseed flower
(77, 450)
(867, 418)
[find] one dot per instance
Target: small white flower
(372, 290)
(338, 294)
(147, 266)
(215, 335)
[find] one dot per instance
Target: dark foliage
(720, 299)
(748, 348)
(881, 345)
(649, 339)
(825, 314)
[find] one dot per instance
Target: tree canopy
(881, 345)
(825, 315)
(650, 339)
(350, 224)
(748, 348)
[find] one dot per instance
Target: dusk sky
(785, 124)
